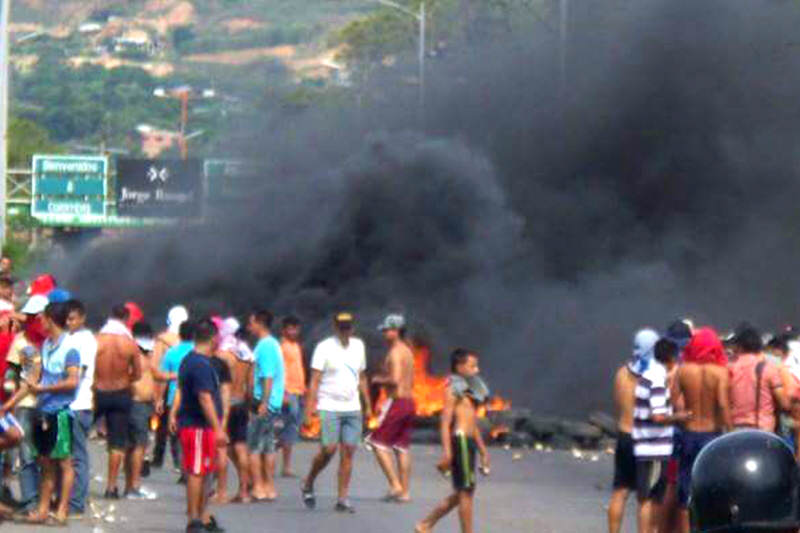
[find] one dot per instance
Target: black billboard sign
(159, 188)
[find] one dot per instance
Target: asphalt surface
(527, 491)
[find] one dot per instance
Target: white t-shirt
(341, 368)
(86, 344)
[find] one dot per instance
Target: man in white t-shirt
(81, 339)
(337, 377)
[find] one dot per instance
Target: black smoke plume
(538, 218)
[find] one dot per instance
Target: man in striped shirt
(653, 432)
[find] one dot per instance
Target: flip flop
(28, 519)
(264, 500)
(390, 498)
(239, 499)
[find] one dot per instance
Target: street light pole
(4, 94)
(421, 19)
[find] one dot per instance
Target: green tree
(26, 138)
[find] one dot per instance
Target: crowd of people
(682, 390)
(215, 392)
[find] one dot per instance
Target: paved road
(529, 492)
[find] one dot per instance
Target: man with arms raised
(392, 438)
(337, 376)
(117, 367)
(702, 382)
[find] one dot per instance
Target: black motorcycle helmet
(745, 481)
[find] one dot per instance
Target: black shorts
(463, 466)
(115, 406)
(651, 480)
(139, 423)
(624, 463)
(237, 423)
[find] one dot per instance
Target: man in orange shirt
(294, 391)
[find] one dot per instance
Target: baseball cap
(392, 322)
(679, 332)
(42, 285)
(343, 317)
(59, 296)
(35, 305)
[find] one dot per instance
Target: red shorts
(199, 450)
(394, 425)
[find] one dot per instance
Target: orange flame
(311, 428)
(429, 391)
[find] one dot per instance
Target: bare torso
(143, 390)
(624, 398)
(400, 359)
(115, 364)
(465, 416)
(240, 372)
(704, 389)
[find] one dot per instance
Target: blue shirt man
(269, 364)
(57, 357)
(171, 362)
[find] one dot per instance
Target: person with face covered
(461, 440)
(702, 381)
(165, 341)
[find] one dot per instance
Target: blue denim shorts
(292, 415)
(341, 427)
(261, 433)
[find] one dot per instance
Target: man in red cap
(135, 314)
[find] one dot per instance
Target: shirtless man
(461, 440)
(624, 460)
(117, 367)
(393, 435)
(143, 394)
(240, 365)
(702, 382)
(164, 341)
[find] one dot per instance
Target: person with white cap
(230, 351)
(166, 340)
(391, 440)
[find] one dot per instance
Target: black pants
(162, 436)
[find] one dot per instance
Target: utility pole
(5, 52)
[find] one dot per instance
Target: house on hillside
(155, 141)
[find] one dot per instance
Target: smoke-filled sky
(541, 226)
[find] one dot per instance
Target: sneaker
(111, 494)
(309, 499)
(182, 480)
(195, 526)
(213, 526)
(344, 507)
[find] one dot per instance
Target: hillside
(238, 47)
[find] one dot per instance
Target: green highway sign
(69, 189)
